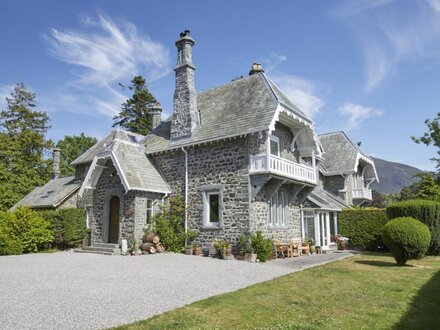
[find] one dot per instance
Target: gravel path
(67, 290)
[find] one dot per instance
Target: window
(275, 145)
(133, 138)
(212, 205)
(277, 214)
(150, 213)
(88, 217)
(308, 220)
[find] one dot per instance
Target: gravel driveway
(68, 290)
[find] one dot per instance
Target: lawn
(367, 291)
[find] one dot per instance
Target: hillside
(393, 176)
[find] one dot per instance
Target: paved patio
(66, 290)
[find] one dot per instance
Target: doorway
(113, 228)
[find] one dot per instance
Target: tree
(379, 200)
(23, 145)
(432, 137)
(71, 148)
(428, 188)
(135, 115)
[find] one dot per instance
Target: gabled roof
(342, 155)
(241, 107)
(133, 166)
(101, 145)
(51, 195)
(326, 200)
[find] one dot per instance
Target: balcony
(362, 193)
(275, 165)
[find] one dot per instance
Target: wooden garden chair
(294, 249)
(281, 248)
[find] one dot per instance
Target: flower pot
(189, 250)
(228, 251)
(250, 257)
(312, 249)
(205, 252)
(197, 250)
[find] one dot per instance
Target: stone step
(107, 245)
(102, 249)
(94, 252)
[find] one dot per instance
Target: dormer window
(275, 145)
(133, 138)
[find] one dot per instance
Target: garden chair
(294, 248)
(281, 248)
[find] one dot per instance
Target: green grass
(367, 291)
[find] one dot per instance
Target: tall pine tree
(23, 146)
(135, 115)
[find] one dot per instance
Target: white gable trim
(367, 160)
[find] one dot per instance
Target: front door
(113, 228)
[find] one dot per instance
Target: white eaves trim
(367, 160)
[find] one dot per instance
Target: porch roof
(326, 200)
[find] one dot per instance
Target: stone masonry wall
(285, 135)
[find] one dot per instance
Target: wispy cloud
(5, 91)
(356, 114)
(105, 52)
(391, 35)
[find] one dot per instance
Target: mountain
(393, 176)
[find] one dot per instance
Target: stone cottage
(242, 155)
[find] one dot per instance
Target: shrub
(68, 226)
(262, 247)
(428, 212)
(169, 224)
(363, 226)
(25, 230)
(407, 238)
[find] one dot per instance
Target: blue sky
(370, 68)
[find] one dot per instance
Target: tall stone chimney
(256, 68)
(156, 113)
(56, 163)
(185, 115)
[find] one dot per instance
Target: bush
(261, 246)
(363, 226)
(25, 231)
(407, 238)
(427, 212)
(68, 226)
(169, 224)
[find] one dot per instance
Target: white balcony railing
(272, 164)
(362, 193)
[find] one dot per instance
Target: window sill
(277, 227)
(208, 228)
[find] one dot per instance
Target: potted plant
(205, 252)
(342, 242)
(227, 250)
(246, 249)
(197, 249)
(312, 246)
(189, 249)
(250, 256)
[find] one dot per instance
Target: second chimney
(156, 113)
(256, 68)
(56, 163)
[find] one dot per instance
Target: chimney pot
(256, 68)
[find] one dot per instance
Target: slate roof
(326, 200)
(51, 195)
(134, 168)
(101, 145)
(243, 106)
(340, 153)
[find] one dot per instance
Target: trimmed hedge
(23, 231)
(363, 226)
(426, 211)
(68, 226)
(407, 238)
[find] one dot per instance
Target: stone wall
(334, 184)
(285, 135)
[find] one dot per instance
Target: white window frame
(277, 210)
(308, 215)
(208, 191)
(88, 217)
(275, 139)
(147, 210)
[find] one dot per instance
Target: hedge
(23, 231)
(426, 211)
(407, 238)
(363, 226)
(68, 226)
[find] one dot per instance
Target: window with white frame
(149, 213)
(308, 218)
(275, 145)
(277, 214)
(212, 206)
(88, 217)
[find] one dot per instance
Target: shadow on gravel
(423, 312)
